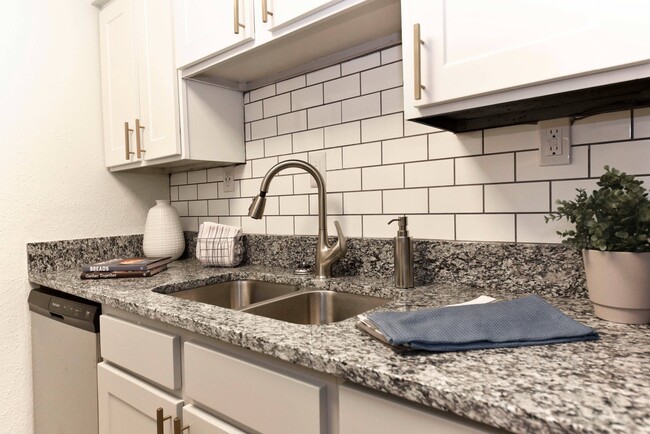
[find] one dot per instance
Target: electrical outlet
(555, 142)
(318, 160)
(229, 179)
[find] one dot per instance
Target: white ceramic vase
(163, 233)
(619, 285)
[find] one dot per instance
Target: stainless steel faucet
(326, 255)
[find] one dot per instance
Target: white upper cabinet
(207, 27)
(275, 14)
(471, 48)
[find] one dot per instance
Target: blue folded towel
(524, 321)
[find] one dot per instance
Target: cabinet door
(201, 422)
(207, 27)
(287, 11)
(477, 47)
(128, 405)
(119, 81)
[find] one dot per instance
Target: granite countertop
(584, 387)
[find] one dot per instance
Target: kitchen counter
(585, 387)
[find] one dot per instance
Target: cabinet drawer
(257, 397)
(147, 352)
(201, 422)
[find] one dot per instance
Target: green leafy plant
(616, 217)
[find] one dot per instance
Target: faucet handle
(342, 243)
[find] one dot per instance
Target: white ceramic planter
(163, 233)
(619, 285)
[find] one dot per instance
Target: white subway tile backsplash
(252, 226)
(350, 225)
(302, 183)
(220, 207)
(413, 128)
(344, 180)
(361, 63)
(196, 176)
(215, 174)
(187, 192)
(254, 149)
(334, 158)
(342, 88)
(230, 221)
(325, 115)
(362, 107)
(277, 105)
(253, 111)
(239, 206)
(323, 75)
(566, 190)
(308, 140)
(306, 225)
(362, 202)
(207, 191)
(522, 197)
(376, 226)
(250, 187)
(334, 203)
(392, 54)
(248, 134)
(308, 97)
(531, 228)
(272, 205)
(642, 123)
(457, 200)
(528, 168)
(429, 173)
(406, 201)
(178, 178)
(485, 169)
(368, 154)
(432, 227)
(343, 134)
(278, 145)
(198, 208)
(606, 127)
(228, 194)
(260, 167)
(190, 224)
(381, 177)
(382, 128)
(291, 84)
(204, 219)
(292, 122)
(302, 156)
(173, 193)
(294, 205)
(384, 77)
(485, 227)
(445, 145)
(261, 93)
(404, 150)
(264, 128)
(280, 186)
(392, 101)
(182, 208)
(279, 225)
(630, 157)
(515, 138)
(242, 171)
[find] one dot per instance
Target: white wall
(53, 184)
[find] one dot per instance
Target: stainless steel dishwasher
(65, 353)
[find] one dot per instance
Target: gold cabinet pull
(138, 143)
(417, 63)
(177, 426)
(236, 18)
(160, 421)
(265, 11)
(127, 147)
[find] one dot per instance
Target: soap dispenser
(403, 255)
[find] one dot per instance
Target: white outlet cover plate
(555, 142)
(319, 161)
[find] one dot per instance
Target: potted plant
(611, 226)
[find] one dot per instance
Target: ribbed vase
(163, 233)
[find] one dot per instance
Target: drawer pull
(417, 63)
(237, 24)
(160, 421)
(127, 147)
(265, 11)
(177, 426)
(138, 144)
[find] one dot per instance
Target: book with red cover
(127, 264)
(121, 274)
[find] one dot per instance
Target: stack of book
(125, 267)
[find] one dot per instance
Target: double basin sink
(283, 302)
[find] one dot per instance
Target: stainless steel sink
(236, 294)
(316, 307)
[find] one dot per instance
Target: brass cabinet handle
(138, 144)
(236, 18)
(127, 147)
(265, 11)
(417, 63)
(160, 421)
(177, 426)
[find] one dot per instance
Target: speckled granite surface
(586, 387)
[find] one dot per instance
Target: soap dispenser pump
(403, 255)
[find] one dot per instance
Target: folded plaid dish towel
(513, 323)
(219, 245)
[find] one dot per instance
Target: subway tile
(292, 122)
(445, 144)
(261, 93)
(514, 138)
(182, 208)
(485, 169)
(350, 225)
(566, 190)
(242, 171)
(392, 54)
(368, 154)
(253, 112)
(361, 63)
(190, 224)
(247, 97)
(208, 191)
(302, 183)
(219, 207)
(334, 203)
(485, 227)
(630, 157)
(404, 150)
(362, 107)
(178, 178)
(521, 197)
(344, 180)
(215, 174)
(277, 105)
(376, 226)
(198, 208)
(291, 84)
(392, 101)
(406, 201)
(196, 176)
(528, 168)
(323, 75)
(414, 128)
(260, 167)
(342, 88)
(279, 225)
(272, 205)
(239, 206)
(384, 77)
(323, 116)
(532, 228)
(264, 128)
(308, 140)
(254, 149)
(252, 226)
(204, 219)
(362, 202)
(306, 224)
(228, 194)
(334, 158)
(431, 227)
(250, 187)
(429, 173)
(173, 193)
(605, 127)
(280, 185)
(377, 178)
(343, 134)
(248, 134)
(308, 97)
(187, 192)
(278, 145)
(456, 200)
(382, 128)
(642, 123)
(230, 221)
(294, 205)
